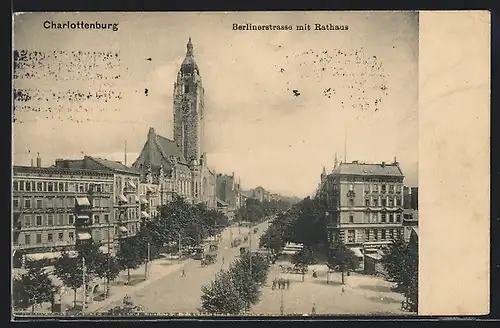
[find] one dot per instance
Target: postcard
(250, 164)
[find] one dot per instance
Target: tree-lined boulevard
(248, 276)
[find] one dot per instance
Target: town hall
(183, 158)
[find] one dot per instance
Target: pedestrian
(314, 274)
(223, 260)
(183, 274)
(343, 290)
(274, 284)
(288, 284)
(313, 310)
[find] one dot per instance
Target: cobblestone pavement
(362, 295)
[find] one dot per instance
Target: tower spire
(336, 162)
(189, 46)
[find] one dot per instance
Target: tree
(400, 261)
(302, 259)
(260, 266)
(272, 240)
(126, 308)
(128, 255)
(341, 258)
(33, 287)
(108, 268)
(70, 271)
(221, 296)
(245, 284)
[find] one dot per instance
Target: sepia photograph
(227, 164)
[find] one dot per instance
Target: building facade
(43, 207)
(261, 194)
(183, 158)
(365, 204)
(228, 194)
(126, 198)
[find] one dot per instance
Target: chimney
(383, 164)
(32, 162)
(38, 160)
(395, 161)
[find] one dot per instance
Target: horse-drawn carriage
(293, 269)
(209, 259)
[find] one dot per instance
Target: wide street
(362, 295)
(174, 294)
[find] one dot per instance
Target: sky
(279, 104)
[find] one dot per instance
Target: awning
(357, 251)
(145, 215)
(43, 256)
(371, 250)
(131, 184)
(144, 201)
(149, 189)
(82, 201)
(83, 236)
(123, 199)
(123, 229)
(374, 256)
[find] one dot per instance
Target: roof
(113, 165)
(356, 168)
(168, 146)
(56, 169)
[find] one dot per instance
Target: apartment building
(43, 204)
(365, 204)
(125, 191)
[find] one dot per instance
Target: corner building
(43, 209)
(183, 158)
(365, 204)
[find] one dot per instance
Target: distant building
(410, 196)
(410, 221)
(261, 194)
(414, 198)
(228, 194)
(43, 204)
(275, 197)
(365, 204)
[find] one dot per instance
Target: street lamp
(282, 305)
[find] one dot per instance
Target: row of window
(388, 201)
(51, 186)
(372, 235)
(378, 218)
(57, 220)
(375, 187)
(58, 202)
(69, 236)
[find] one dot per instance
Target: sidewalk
(157, 269)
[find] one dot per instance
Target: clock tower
(188, 108)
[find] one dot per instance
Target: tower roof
(189, 63)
